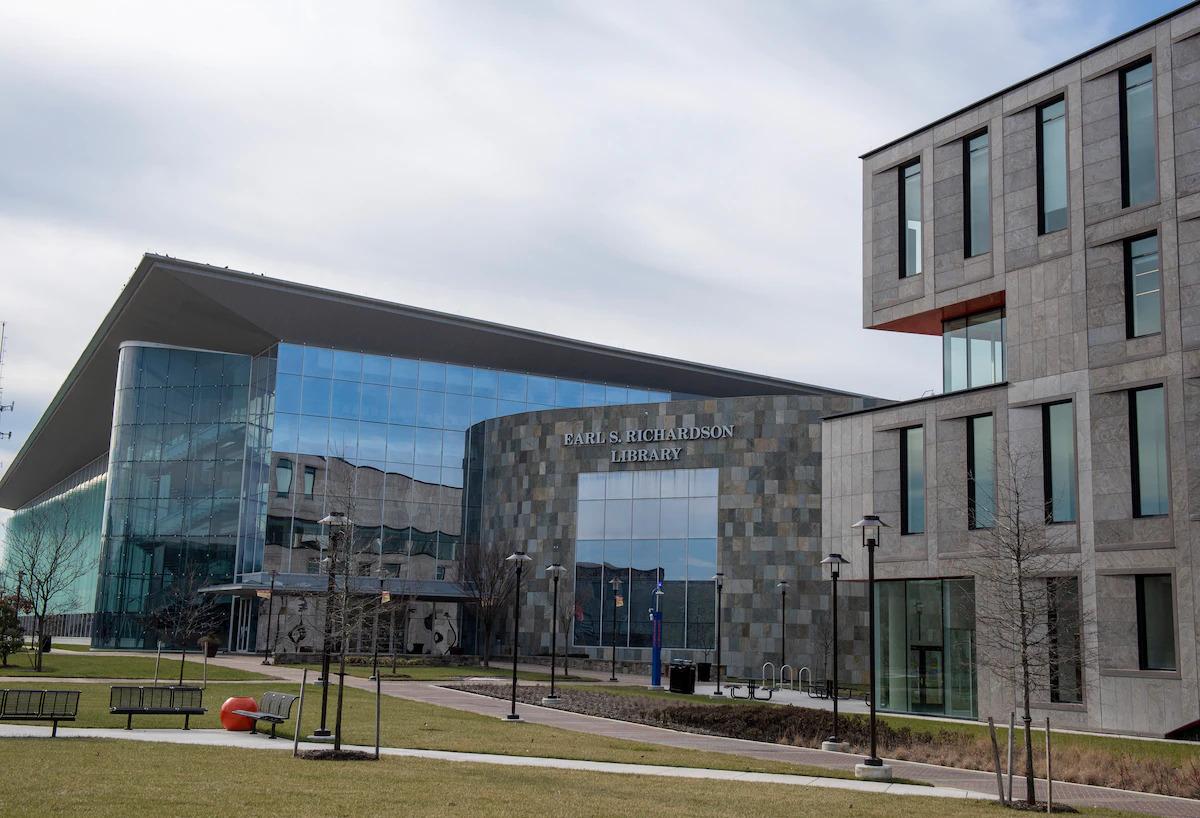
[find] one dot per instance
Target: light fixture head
(870, 525)
(336, 518)
(556, 570)
(518, 556)
(615, 582)
(835, 563)
(719, 578)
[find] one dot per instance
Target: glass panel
(1137, 108)
(593, 394)
(954, 355)
(702, 518)
(347, 366)
(619, 485)
(318, 363)
(404, 373)
(429, 447)
(485, 384)
(591, 486)
(540, 390)
(981, 472)
(429, 408)
(674, 519)
(985, 338)
(314, 435)
(672, 554)
(458, 412)
(1063, 628)
(910, 204)
(458, 379)
(1150, 452)
(616, 566)
(1052, 141)
(618, 519)
(590, 522)
(960, 647)
(912, 467)
(925, 668)
(512, 386)
(376, 369)
(374, 403)
(979, 196)
(616, 395)
(891, 650)
(346, 399)
(568, 393)
(403, 407)
(432, 376)
(400, 444)
(1144, 287)
(283, 478)
(315, 396)
(290, 359)
(646, 484)
(645, 519)
(589, 562)
(1156, 622)
(1058, 434)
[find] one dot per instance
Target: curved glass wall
(174, 493)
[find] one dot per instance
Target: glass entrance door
(925, 679)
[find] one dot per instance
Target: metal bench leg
(129, 722)
(186, 718)
(254, 727)
(54, 729)
(273, 729)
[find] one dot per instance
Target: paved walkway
(221, 738)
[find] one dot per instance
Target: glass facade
(912, 480)
(1148, 451)
(973, 351)
(1138, 150)
(925, 649)
(1143, 287)
(1156, 622)
(646, 528)
(1058, 461)
(981, 472)
(910, 220)
(977, 194)
(1052, 166)
(173, 502)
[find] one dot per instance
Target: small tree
(182, 615)
(566, 620)
(48, 544)
(487, 580)
(12, 639)
(1020, 599)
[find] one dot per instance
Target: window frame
(905, 528)
(285, 464)
(1040, 152)
(902, 202)
(1053, 637)
(1129, 289)
(972, 515)
(1140, 596)
(1123, 117)
(968, 250)
(1134, 463)
(1048, 462)
(310, 489)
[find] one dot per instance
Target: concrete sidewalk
(222, 738)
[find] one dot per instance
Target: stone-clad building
(1050, 234)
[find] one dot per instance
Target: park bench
(39, 705)
(752, 685)
(160, 701)
(275, 708)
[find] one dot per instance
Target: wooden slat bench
(275, 708)
(39, 705)
(161, 701)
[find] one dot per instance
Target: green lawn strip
(434, 673)
(101, 666)
(77, 777)
(429, 727)
(71, 646)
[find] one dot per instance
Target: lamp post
(519, 558)
(872, 767)
(615, 582)
(719, 578)
(20, 627)
(782, 585)
(656, 638)
(337, 522)
(555, 571)
(270, 610)
(835, 563)
(384, 598)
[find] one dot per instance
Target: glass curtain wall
(973, 351)
(645, 528)
(175, 482)
(925, 653)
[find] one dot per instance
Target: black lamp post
(870, 526)
(20, 627)
(835, 563)
(555, 571)
(782, 585)
(383, 599)
(337, 522)
(719, 578)
(615, 582)
(519, 558)
(270, 609)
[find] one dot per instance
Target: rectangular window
(910, 219)
(1148, 451)
(1138, 179)
(912, 480)
(1143, 287)
(1052, 166)
(1064, 640)
(1058, 461)
(310, 481)
(977, 195)
(981, 472)
(1156, 622)
(973, 351)
(283, 477)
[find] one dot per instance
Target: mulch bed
(335, 755)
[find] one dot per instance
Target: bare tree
(487, 580)
(48, 543)
(1028, 615)
(566, 620)
(181, 615)
(12, 638)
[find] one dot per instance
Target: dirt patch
(335, 755)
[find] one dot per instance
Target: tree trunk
(38, 627)
(485, 654)
(337, 720)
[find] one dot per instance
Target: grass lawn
(429, 727)
(71, 646)
(99, 665)
(438, 673)
(76, 777)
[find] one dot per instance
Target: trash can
(46, 645)
(683, 676)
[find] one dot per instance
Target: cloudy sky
(680, 178)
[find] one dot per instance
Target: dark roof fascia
(923, 399)
(1083, 55)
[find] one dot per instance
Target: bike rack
(791, 676)
(768, 681)
(800, 677)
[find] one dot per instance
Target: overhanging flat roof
(182, 303)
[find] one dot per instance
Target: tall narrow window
(1052, 166)
(283, 477)
(1143, 287)
(910, 219)
(973, 351)
(912, 478)
(1148, 450)
(981, 472)
(1138, 179)
(1155, 622)
(1064, 640)
(1058, 461)
(977, 195)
